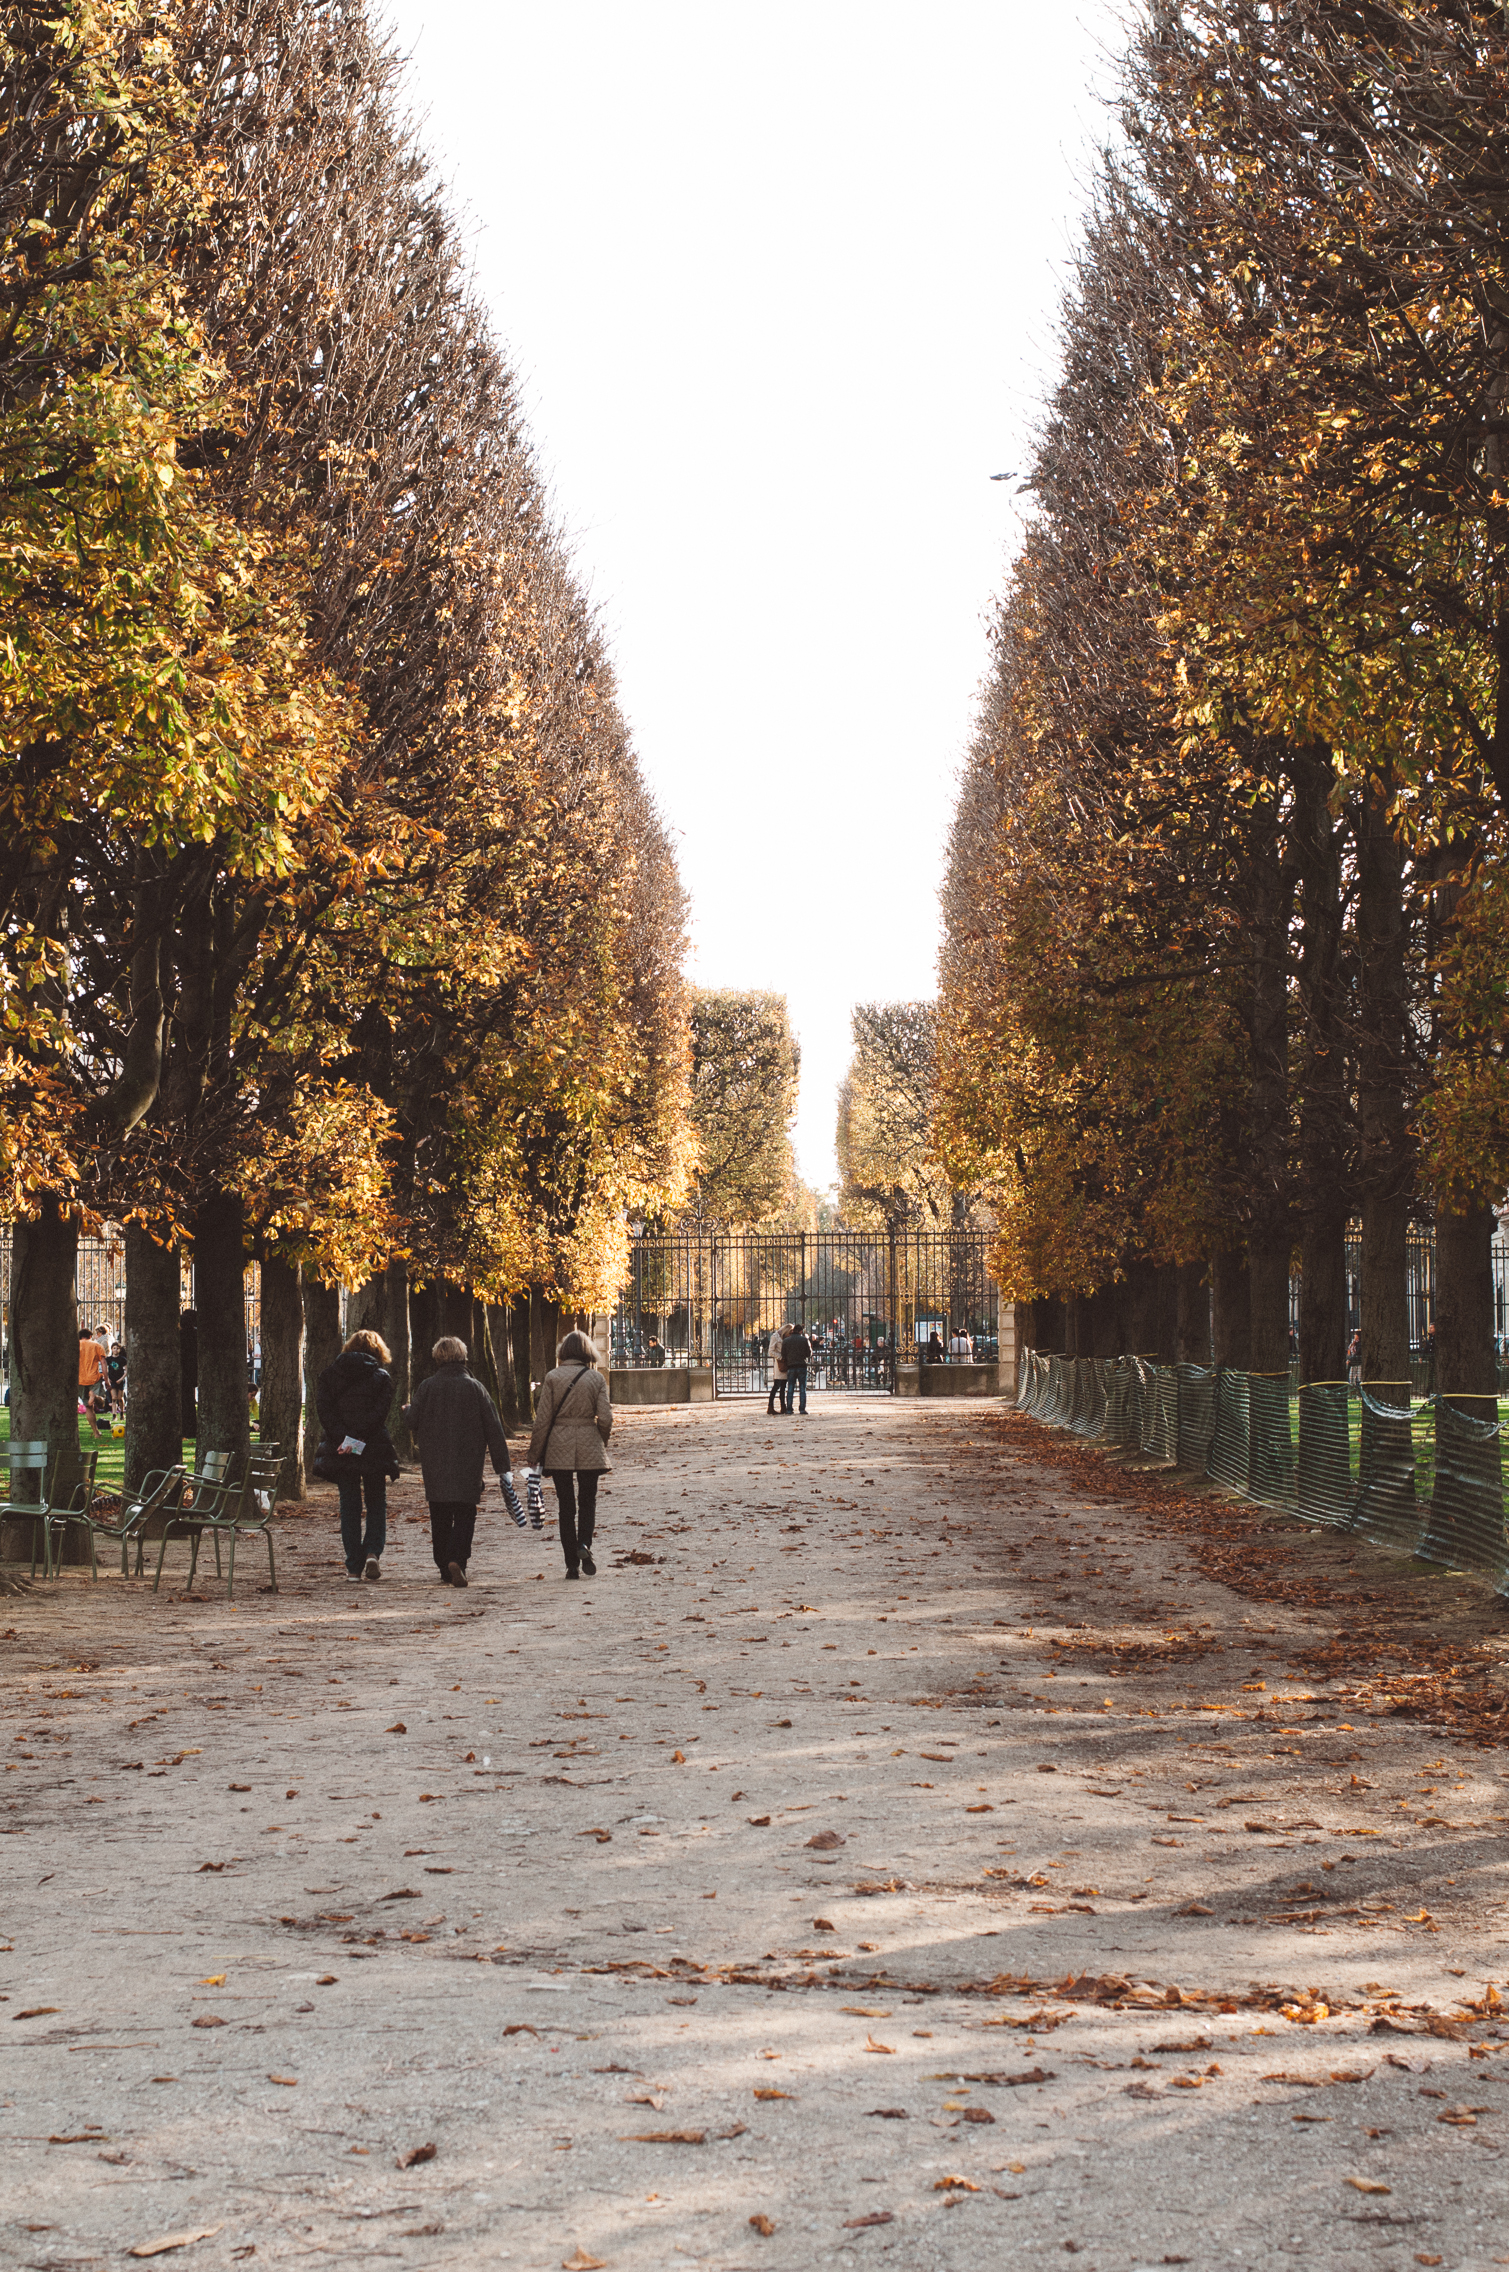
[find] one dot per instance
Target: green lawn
(109, 1473)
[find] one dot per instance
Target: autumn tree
(745, 1073)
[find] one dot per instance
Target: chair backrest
(29, 1458)
(72, 1482)
(262, 1481)
(215, 1467)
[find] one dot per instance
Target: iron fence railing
(99, 1283)
(867, 1301)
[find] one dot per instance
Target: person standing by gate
(796, 1351)
(570, 1442)
(455, 1423)
(776, 1401)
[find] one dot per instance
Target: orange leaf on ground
(766, 2226)
(417, 2154)
(582, 2262)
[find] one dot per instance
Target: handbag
(330, 1465)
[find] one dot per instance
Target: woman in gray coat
(572, 1425)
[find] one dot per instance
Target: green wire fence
(1425, 1478)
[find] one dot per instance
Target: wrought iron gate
(865, 1300)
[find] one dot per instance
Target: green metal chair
(70, 1492)
(252, 1517)
(208, 1487)
(162, 1492)
(27, 1459)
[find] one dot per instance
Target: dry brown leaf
(417, 2154)
(955, 2185)
(825, 1841)
(580, 2261)
(209, 2019)
(667, 2138)
(866, 2011)
(766, 2226)
(792, 2094)
(397, 1729)
(1367, 2185)
(175, 2240)
(872, 2045)
(878, 2217)
(289, 2082)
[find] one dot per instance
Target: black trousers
(573, 1486)
(453, 1524)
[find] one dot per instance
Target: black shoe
(455, 1573)
(588, 1565)
(444, 1576)
(573, 1573)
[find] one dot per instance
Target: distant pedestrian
(353, 1397)
(796, 1354)
(570, 1442)
(116, 1366)
(92, 1371)
(776, 1401)
(455, 1425)
(935, 1352)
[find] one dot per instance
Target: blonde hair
(373, 1343)
(576, 1349)
(449, 1351)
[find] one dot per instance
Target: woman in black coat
(353, 1398)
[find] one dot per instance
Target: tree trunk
(1465, 1362)
(1193, 1320)
(1386, 1154)
(154, 1357)
(220, 1309)
(283, 1370)
(44, 1329)
(500, 1340)
(1324, 1127)
(1231, 1310)
(322, 1345)
(519, 1313)
(1323, 1296)
(425, 1330)
(1081, 1338)
(1109, 1320)
(1270, 1241)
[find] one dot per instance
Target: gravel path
(680, 1946)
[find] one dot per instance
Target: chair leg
(194, 1538)
(272, 1567)
(161, 1551)
(230, 1590)
(218, 1572)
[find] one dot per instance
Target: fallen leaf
(792, 2094)
(955, 2185)
(289, 2082)
(215, 1980)
(1017, 2169)
(890, 2113)
(582, 2262)
(872, 2045)
(174, 2240)
(401, 1893)
(209, 2019)
(522, 2027)
(825, 1841)
(758, 1821)
(984, 1809)
(397, 1729)
(208, 1866)
(1367, 2185)
(667, 2138)
(878, 2217)
(36, 2012)
(765, 2226)
(866, 2011)
(79, 2138)
(238, 1786)
(417, 2154)
(603, 1837)
(1194, 1909)
(978, 2114)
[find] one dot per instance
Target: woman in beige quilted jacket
(572, 1425)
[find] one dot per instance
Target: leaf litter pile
(1439, 1656)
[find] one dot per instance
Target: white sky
(779, 283)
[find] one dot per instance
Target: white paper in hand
(356, 1444)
